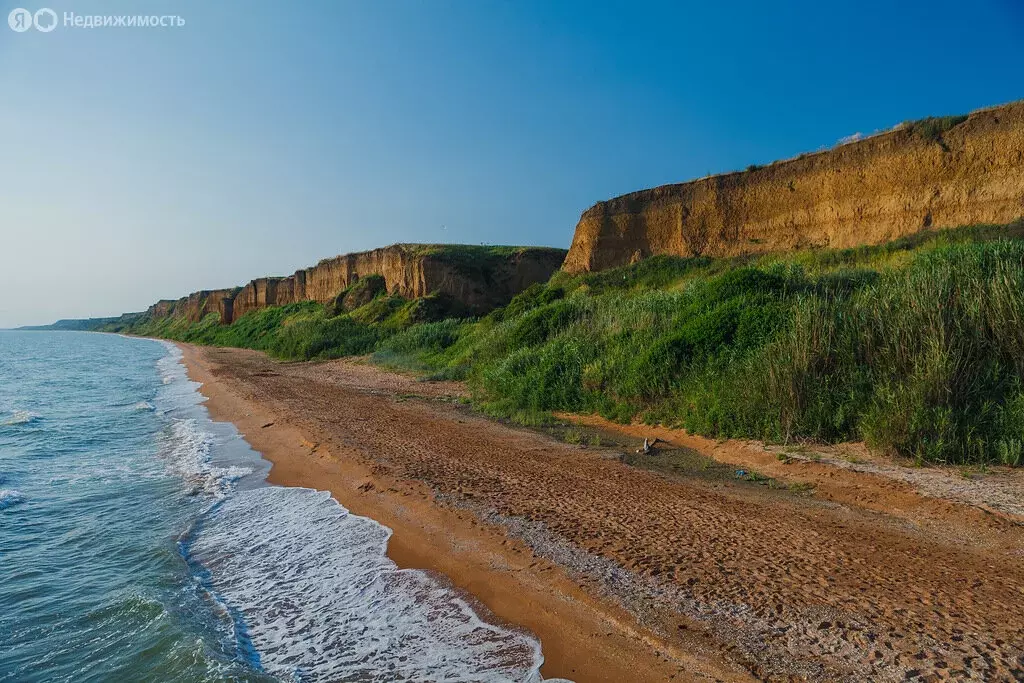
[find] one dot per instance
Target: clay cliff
(196, 305)
(481, 278)
(936, 173)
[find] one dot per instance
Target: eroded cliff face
(196, 305)
(481, 279)
(867, 192)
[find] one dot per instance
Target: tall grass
(918, 351)
(916, 347)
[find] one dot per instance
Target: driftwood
(648, 446)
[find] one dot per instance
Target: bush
(360, 293)
(323, 337)
(656, 272)
(429, 337)
(916, 346)
(533, 296)
(931, 129)
(539, 324)
(382, 309)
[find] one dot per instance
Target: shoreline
(583, 637)
(671, 566)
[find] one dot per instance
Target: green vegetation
(931, 129)
(916, 347)
(476, 262)
(361, 292)
(88, 324)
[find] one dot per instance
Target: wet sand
(645, 573)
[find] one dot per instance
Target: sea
(139, 541)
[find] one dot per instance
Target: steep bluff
(481, 278)
(937, 173)
(196, 305)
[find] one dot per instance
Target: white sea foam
(321, 600)
(144, 406)
(186, 447)
(20, 417)
(187, 443)
(170, 366)
(178, 391)
(9, 497)
(309, 589)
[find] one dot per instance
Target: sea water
(140, 542)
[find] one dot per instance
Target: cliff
(931, 174)
(196, 305)
(481, 278)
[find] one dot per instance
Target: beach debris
(740, 474)
(648, 446)
(269, 424)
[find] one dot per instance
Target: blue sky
(145, 163)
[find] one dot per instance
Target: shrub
(382, 309)
(931, 129)
(323, 337)
(916, 346)
(361, 292)
(428, 337)
(533, 296)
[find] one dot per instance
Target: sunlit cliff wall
(867, 192)
(480, 279)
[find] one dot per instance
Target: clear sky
(146, 163)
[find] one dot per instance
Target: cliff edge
(480, 278)
(930, 174)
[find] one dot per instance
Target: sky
(144, 163)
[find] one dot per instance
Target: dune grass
(916, 347)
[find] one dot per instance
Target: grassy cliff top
(460, 252)
(482, 250)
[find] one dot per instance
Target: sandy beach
(834, 565)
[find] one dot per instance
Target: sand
(628, 574)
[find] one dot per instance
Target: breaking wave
(20, 417)
(186, 447)
(308, 586)
(320, 600)
(9, 497)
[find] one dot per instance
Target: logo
(45, 20)
(21, 20)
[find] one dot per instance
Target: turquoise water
(139, 542)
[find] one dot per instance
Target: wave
(20, 417)
(143, 406)
(306, 589)
(186, 447)
(170, 365)
(9, 497)
(320, 599)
